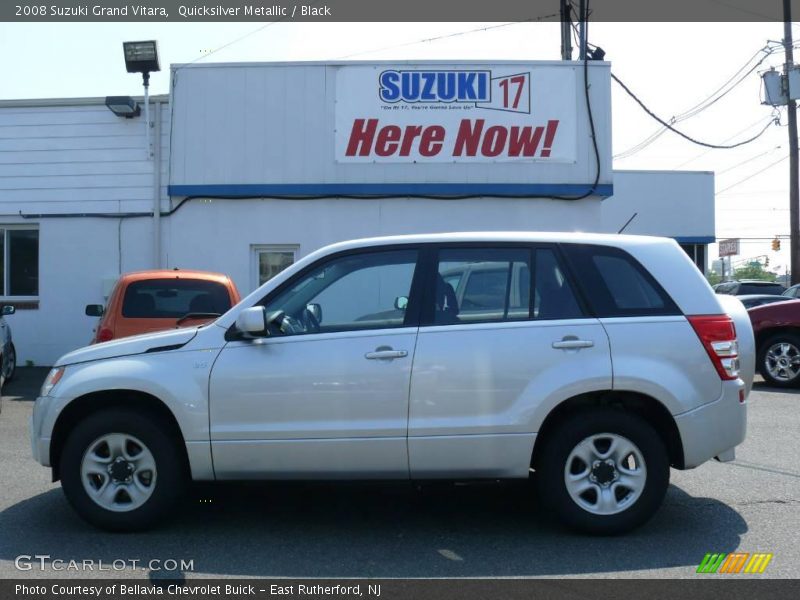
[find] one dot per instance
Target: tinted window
(616, 284)
(490, 285)
(758, 288)
(352, 292)
(173, 298)
(553, 295)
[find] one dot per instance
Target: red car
(777, 331)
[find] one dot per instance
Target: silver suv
(596, 362)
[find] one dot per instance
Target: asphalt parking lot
(399, 530)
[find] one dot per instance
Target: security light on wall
(123, 106)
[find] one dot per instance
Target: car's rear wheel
(603, 471)
(779, 360)
(121, 470)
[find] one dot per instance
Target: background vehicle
(364, 360)
(792, 292)
(8, 354)
(777, 331)
(749, 286)
(753, 300)
(147, 301)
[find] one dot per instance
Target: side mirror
(8, 309)
(315, 310)
(253, 321)
(94, 310)
(401, 302)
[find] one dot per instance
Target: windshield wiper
(197, 315)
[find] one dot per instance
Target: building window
(697, 252)
(19, 262)
(271, 260)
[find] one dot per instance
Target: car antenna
(628, 222)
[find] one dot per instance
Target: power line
(708, 151)
(240, 38)
(769, 166)
(448, 35)
(680, 133)
(747, 160)
(704, 104)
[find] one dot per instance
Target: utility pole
(582, 26)
(791, 109)
(566, 30)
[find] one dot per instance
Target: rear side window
(616, 285)
(174, 298)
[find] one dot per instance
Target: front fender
(179, 379)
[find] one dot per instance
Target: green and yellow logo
(735, 562)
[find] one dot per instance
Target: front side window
(174, 298)
(353, 292)
(19, 262)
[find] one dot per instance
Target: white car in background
(596, 361)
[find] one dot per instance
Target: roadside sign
(729, 247)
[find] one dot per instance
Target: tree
(713, 278)
(754, 270)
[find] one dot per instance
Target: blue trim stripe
(389, 189)
(700, 239)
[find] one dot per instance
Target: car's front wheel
(121, 470)
(603, 471)
(779, 360)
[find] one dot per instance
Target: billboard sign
(729, 247)
(435, 114)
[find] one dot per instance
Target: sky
(670, 66)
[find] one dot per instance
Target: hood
(138, 344)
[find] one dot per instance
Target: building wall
(75, 157)
(220, 235)
(275, 123)
(677, 204)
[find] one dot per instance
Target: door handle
(572, 343)
(385, 354)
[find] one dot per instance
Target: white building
(256, 165)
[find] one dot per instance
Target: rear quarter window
(615, 284)
(174, 298)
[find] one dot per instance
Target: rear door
(512, 336)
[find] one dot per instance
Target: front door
(326, 393)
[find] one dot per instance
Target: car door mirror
(94, 310)
(8, 309)
(315, 310)
(401, 302)
(253, 321)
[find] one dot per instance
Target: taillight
(104, 335)
(718, 335)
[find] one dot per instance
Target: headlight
(53, 377)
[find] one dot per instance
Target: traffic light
(776, 245)
(766, 262)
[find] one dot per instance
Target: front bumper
(714, 429)
(40, 446)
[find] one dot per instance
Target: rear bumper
(714, 429)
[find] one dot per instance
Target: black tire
(788, 338)
(172, 473)
(551, 462)
(12, 357)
